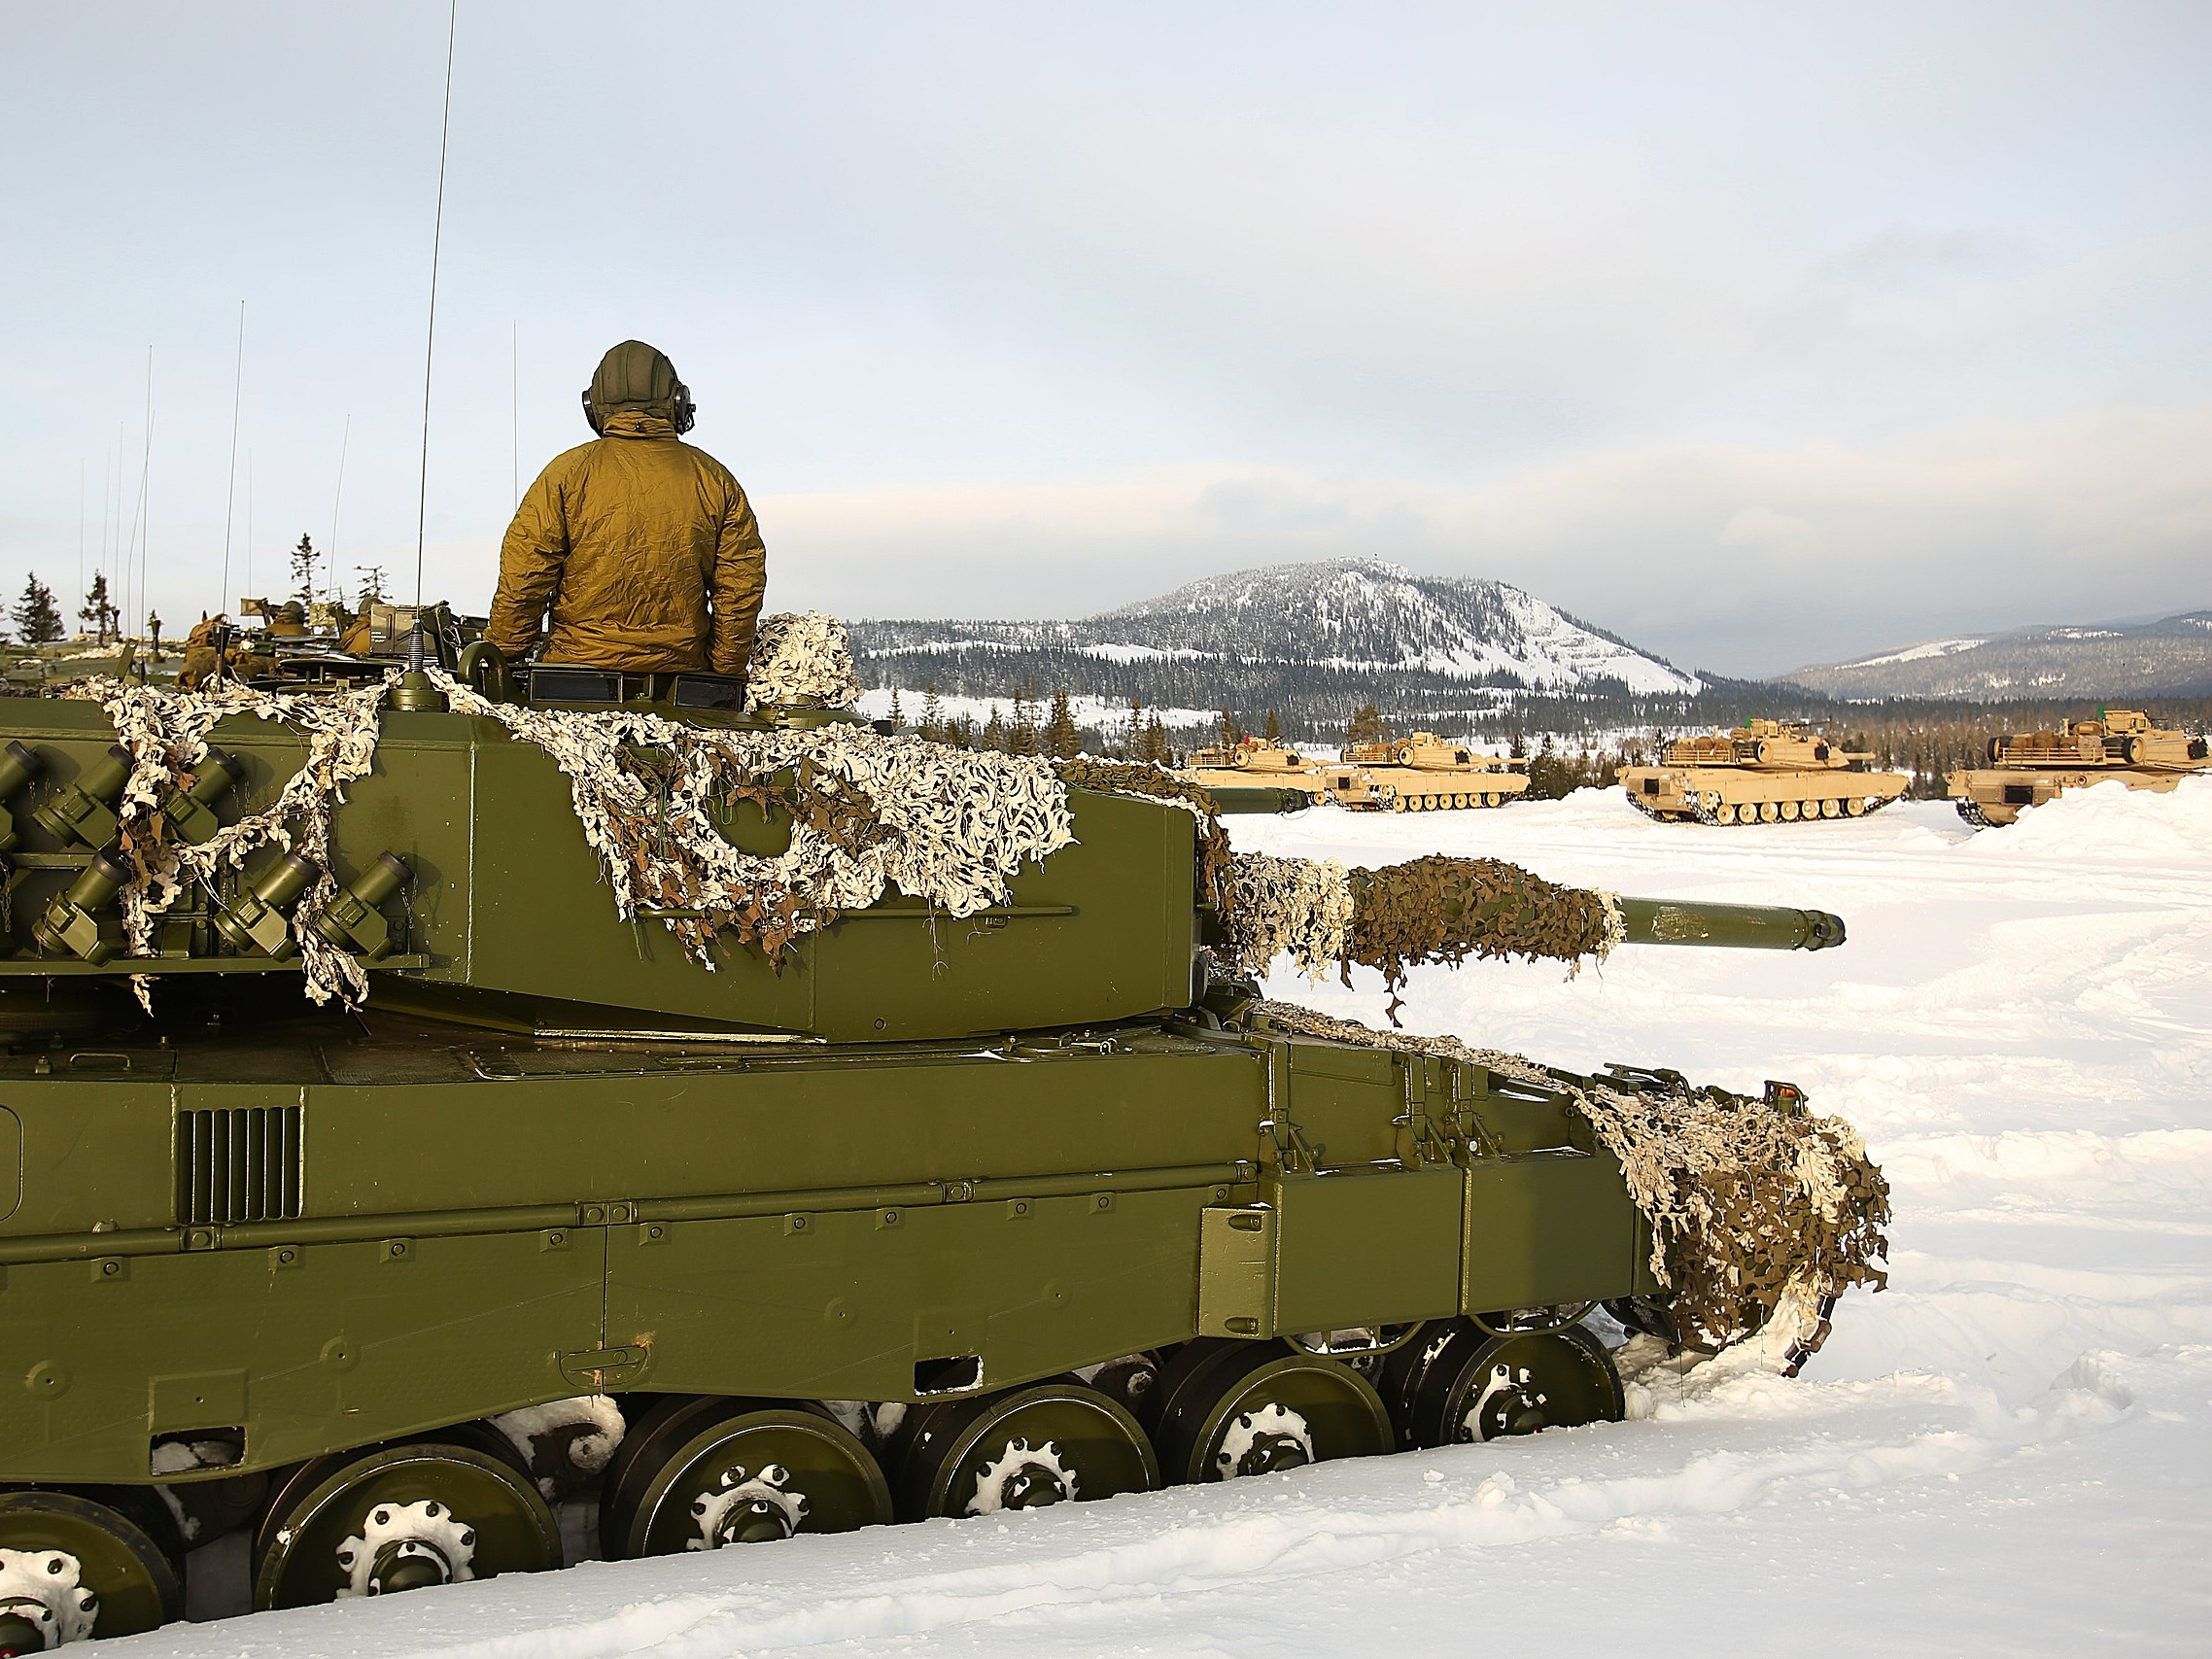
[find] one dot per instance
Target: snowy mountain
(1309, 641)
(2168, 658)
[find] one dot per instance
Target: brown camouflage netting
(1446, 910)
(1427, 909)
(1749, 1199)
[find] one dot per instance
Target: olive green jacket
(644, 548)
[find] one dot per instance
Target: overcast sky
(1757, 339)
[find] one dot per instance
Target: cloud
(1763, 527)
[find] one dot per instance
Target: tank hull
(458, 1225)
(1421, 789)
(1707, 794)
(1998, 797)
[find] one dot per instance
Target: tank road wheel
(1455, 1384)
(1399, 804)
(71, 1567)
(1855, 806)
(1494, 799)
(1831, 809)
(1227, 1408)
(1459, 803)
(401, 1517)
(1769, 812)
(1789, 811)
(1052, 1443)
(702, 1474)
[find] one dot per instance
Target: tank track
(677, 1473)
(1970, 810)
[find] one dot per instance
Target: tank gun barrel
(1728, 927)
(1247, 798)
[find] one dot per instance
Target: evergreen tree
(1366, 726)
(303, 557)
(1021, 734)
(373, 580)
(1061, 739)
(99, 610)
(898, 719)
(37, 619)
(932, 715)
(995, 731)
(1274, 728)
(1232, 731)
(1156, 748)
(1135, 745)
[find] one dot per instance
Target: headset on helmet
(634, 375)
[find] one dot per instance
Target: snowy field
(2008, 1451)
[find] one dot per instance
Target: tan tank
(1763, 772)
(1248, 762)
(2028, 769)
(1424, 772)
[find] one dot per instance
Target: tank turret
(2028, 769)
(434, 1082)
(1252, 761)
(1761, 771)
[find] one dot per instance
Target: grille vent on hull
(238, 1164)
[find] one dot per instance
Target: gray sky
(1758, 340)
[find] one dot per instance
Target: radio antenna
(230, 489)
(429, 333)
(337, 495)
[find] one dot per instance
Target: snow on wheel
(1227, 1408)
(1456, 1383)
(698, 1475)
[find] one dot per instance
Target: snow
(2006, 1452)
(1090, 713)
(1917, 653)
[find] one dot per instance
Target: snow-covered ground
(2008, 1451)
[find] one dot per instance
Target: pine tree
(303, 557)
(1366, 726)
(99, 610)
(898, 718)
(1157, 749)
(1274, 728)
(1233, 733)
(37, 619)
(1061, 739)
(373, 580)
(932, 715)
(995, 731)
(1021, 733)
(1135, 747)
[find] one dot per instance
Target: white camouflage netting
(166, 734)
(1300, 905)
(869, 814)
(802, 659)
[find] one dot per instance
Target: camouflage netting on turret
(868, 814)
(1752, 1203)
(166, 734)
(1427, 909)
(802, 659)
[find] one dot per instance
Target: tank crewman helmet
(634, 375)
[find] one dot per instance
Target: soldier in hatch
(644, 548)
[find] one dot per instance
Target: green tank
(738, 1219)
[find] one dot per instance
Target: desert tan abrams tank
(2028, 769)
(1762, 771)
(1252, 762)
(1424, 773)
